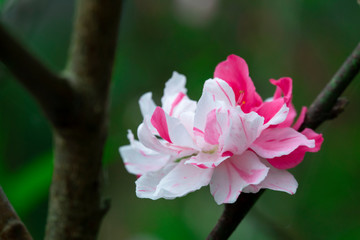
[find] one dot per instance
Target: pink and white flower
(230, 140)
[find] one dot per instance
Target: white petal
(279, 117)
(277, 179)
(183, 179)
(147, 105)
(220, 90)
(239, 130)
(280, 180)
(206, 160)
(205, 105)
(147, 138)
(234, 174)
(140, 162)
(146, 185)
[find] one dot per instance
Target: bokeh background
(304, 39)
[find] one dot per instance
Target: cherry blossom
(231, 139)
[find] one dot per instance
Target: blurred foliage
(306, 40)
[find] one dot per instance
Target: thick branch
(11, 227)
(52, 92)
(75, 210)
(326, 106)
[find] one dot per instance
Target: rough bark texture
(75, 210)
(327, 105)
(77, 107)
(11, 227)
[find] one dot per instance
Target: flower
(230, 140)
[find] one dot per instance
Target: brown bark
(77, 107)
(11, 227)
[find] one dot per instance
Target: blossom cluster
(230, 139)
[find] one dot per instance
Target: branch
(326, 106)
(11, 227)
(75, 206)
(51, 91)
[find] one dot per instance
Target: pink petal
(301, 118)
(236, 73)
(284, 87)
(294, 158)
(276, 142)
(274, 112)
(289, 118)
(234, 174)
(147, 138)
(158, 120)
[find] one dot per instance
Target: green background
(304, 39)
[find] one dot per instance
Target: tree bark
(11, 227)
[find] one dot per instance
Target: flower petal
(276, 142)
(171, 129)
(147, 105)
(175, 101)
(175, 180)
(220, 91)
(294, 158)
(146, 184)
(235, 72)
(300, 119)
(140, 162)
(276, 179)
(274, 112)
(230, 177)
(239, 130)
(206, 160)
(139, 159)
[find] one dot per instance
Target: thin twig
(11, 227)
(326, 106)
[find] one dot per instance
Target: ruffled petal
(171, 129)
(220, 91)
(175, 101)
(235, 72)
(294, 158)
(173, 181)
(276, 142)
(239, 130)
(146, 184)
(147, 105)
(139, 160)
(206, 160)
(234, 174)
(274, 112)
(205, 105)
(300, 119)
(276, 179)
